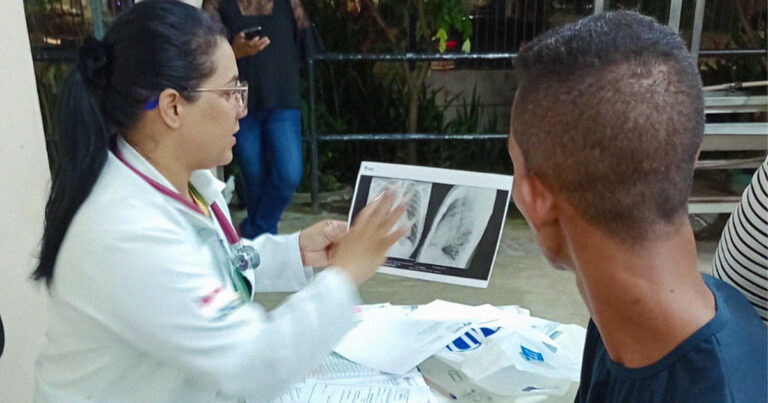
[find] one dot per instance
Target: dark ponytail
(155, 45)
(81, 153)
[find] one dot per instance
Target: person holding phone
(148, 301)
(268, 148)
(249, 42)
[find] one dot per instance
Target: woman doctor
(147, 301)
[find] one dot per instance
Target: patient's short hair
(609, 111)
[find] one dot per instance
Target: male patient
(605, 131)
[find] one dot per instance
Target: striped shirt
(741, 258)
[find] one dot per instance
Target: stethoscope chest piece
(245, 257)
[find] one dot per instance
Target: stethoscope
(243, 257)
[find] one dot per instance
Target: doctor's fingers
(379, 206)
(390, 220)
(395, 236)
(334, 230)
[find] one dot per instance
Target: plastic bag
(519, 355)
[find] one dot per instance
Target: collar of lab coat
(203, 180)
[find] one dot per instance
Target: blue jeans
(268, 151)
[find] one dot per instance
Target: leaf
(442, 35)
(466, 46)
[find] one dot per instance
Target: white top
(741, 258)
(143, 307)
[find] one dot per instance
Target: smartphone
(252, 32)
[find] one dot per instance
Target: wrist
(301, 248)
(353, 275)
(236, 50)
(348, 275)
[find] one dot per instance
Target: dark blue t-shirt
(724, 361)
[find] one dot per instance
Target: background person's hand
(243, 47)
(364, 248)
(317, 241)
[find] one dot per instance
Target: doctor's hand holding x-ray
(361, 250)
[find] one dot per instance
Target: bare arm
(212, 8)
(302, 20)
(241, 46)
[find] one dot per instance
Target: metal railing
(674, 18)
(315, 138)
(499, 26)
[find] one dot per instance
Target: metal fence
(500, 27)
(503, 25)
(65, 23)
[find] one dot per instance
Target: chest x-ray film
(457, 219)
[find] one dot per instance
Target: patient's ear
(537, 201)
(543, 211)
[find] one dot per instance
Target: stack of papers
(376, 361)
(488, 344)
(339, 380)
(396, 343)
(395, 339)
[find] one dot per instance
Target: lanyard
(245, 257)
(226, 226)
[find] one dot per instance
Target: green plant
(369, 25)
(472, 116)
(448, 15)
(368, 97)
(469, 116)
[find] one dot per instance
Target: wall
(24, 178)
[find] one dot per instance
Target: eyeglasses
(237, 96)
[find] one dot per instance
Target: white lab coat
(143, 308)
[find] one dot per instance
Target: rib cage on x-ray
(419, 193)
(458, 226)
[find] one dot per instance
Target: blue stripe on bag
(471, 339)
(531, 355)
